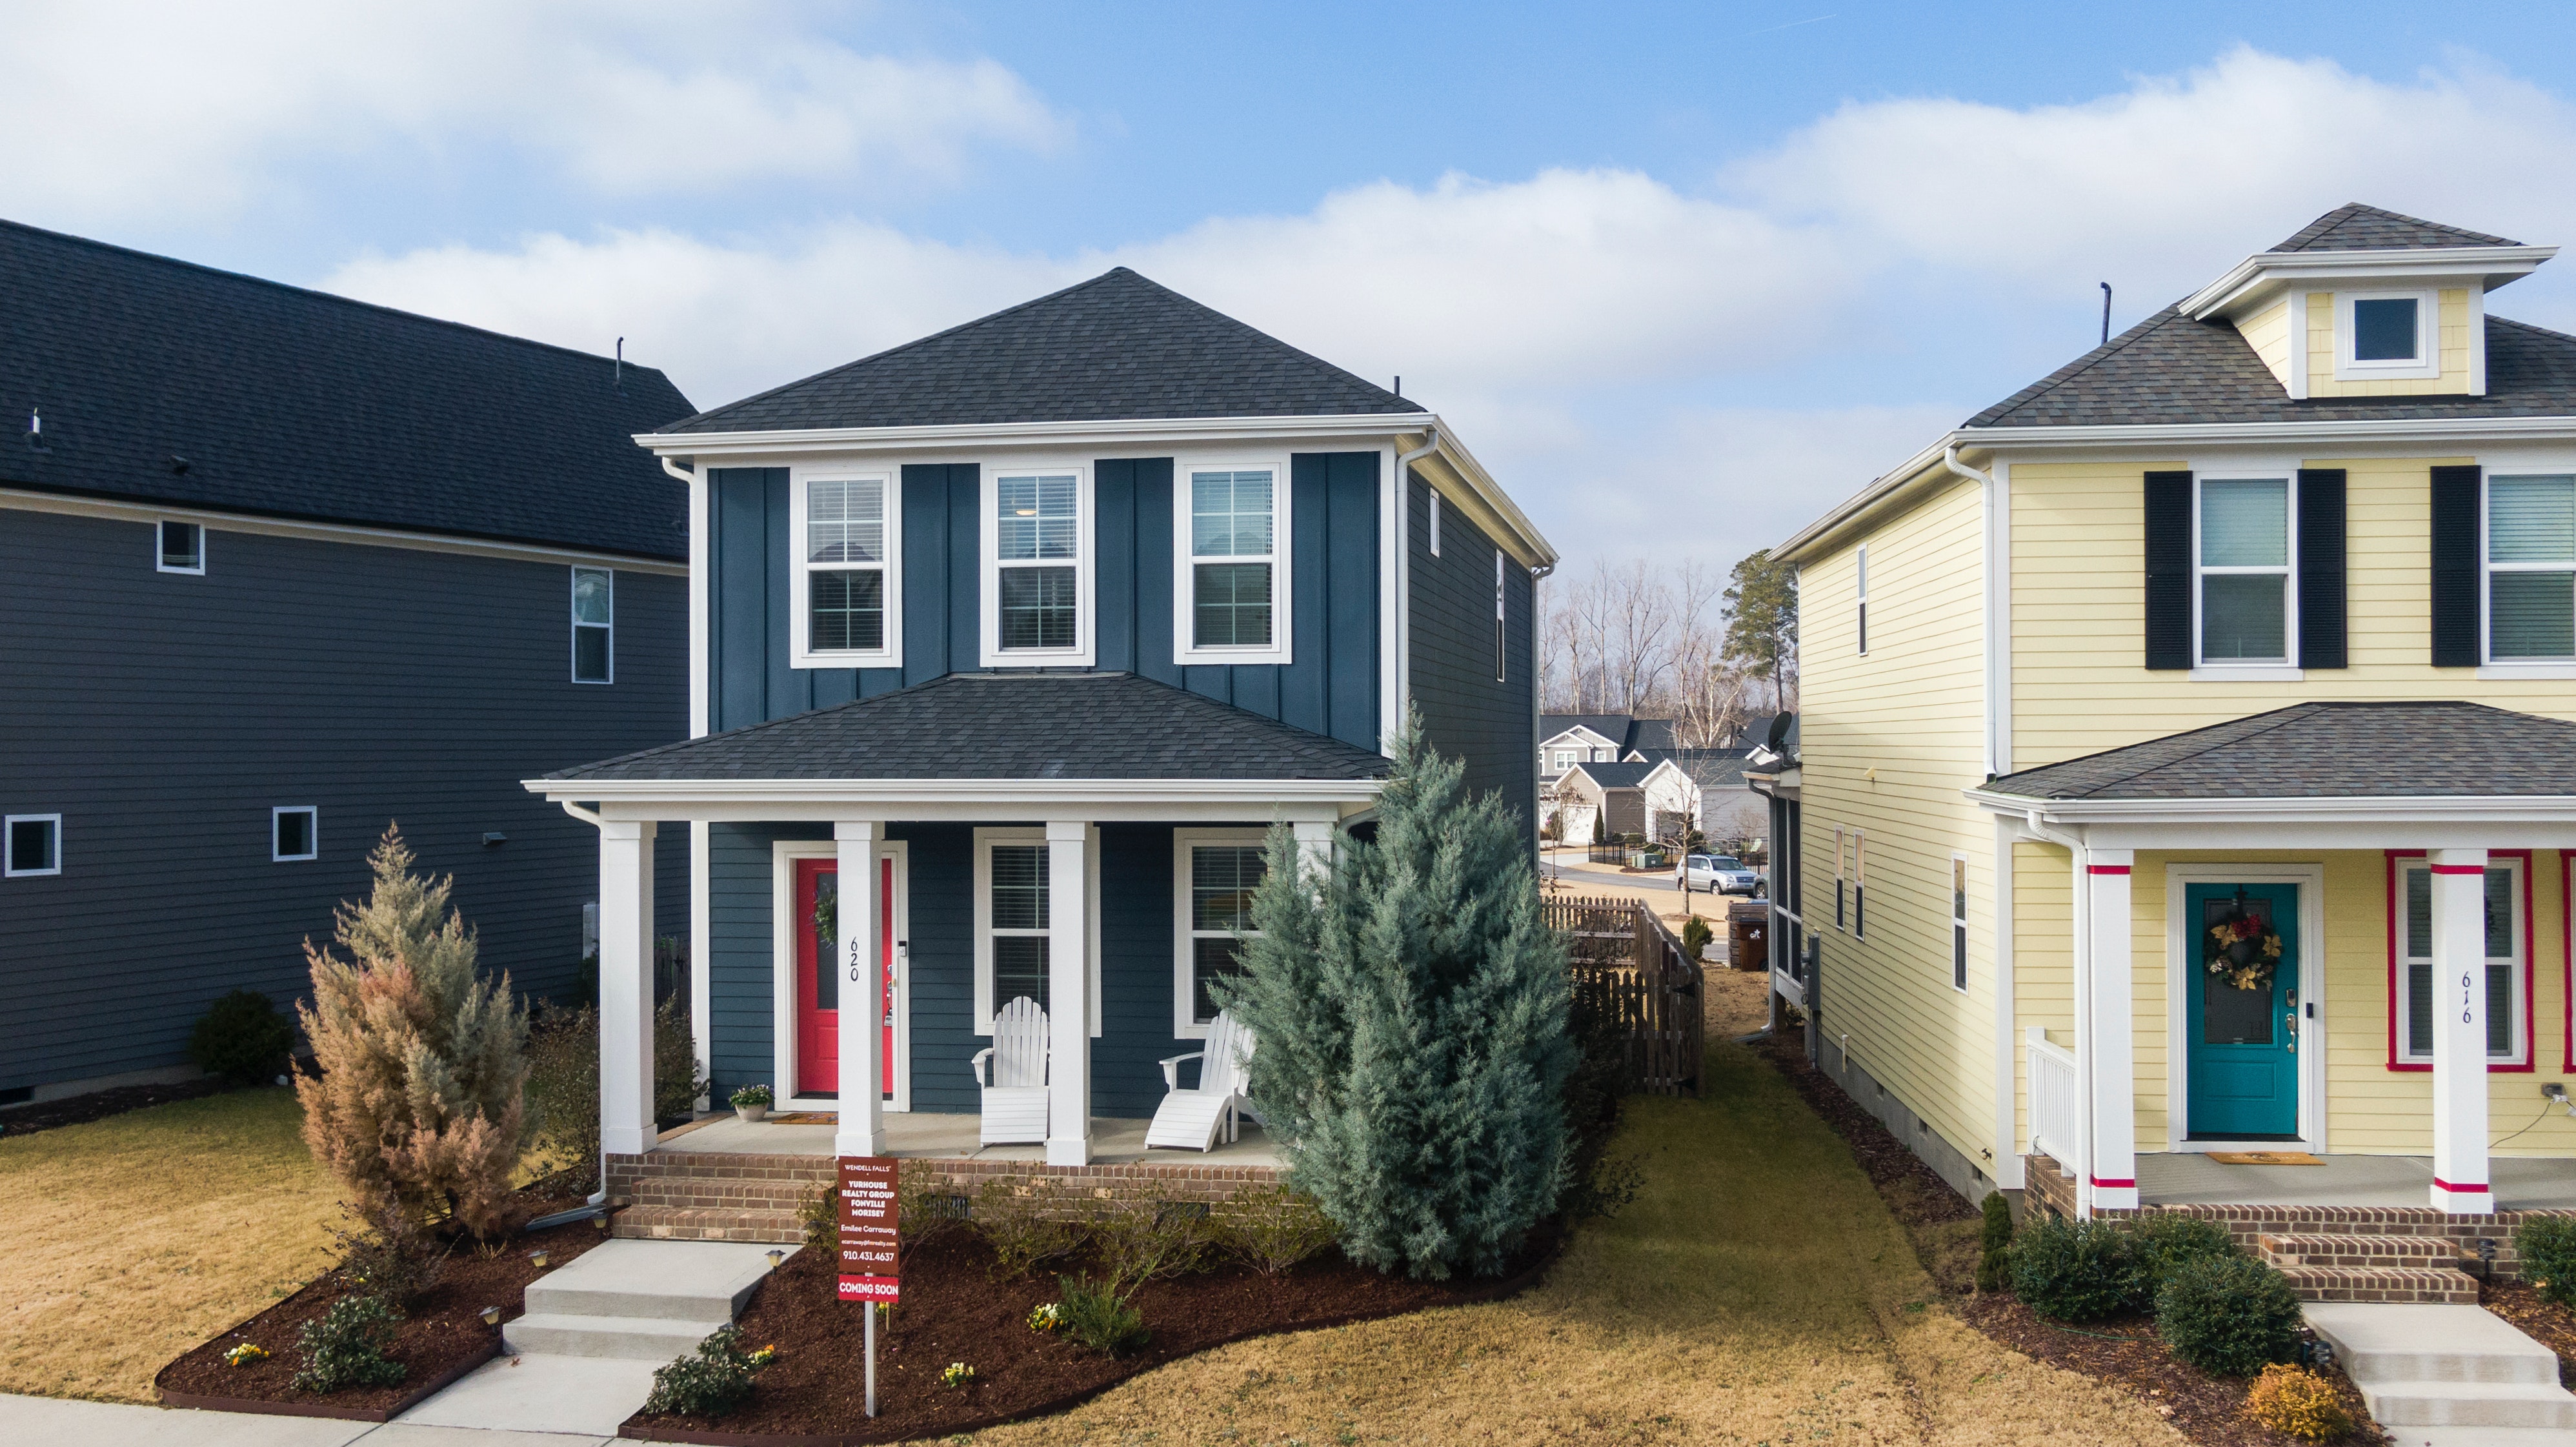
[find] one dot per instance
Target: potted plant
(752, 1102)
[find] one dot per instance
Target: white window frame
(1842, 916)
(1501, 632)
(2519, 961)
(1860, 887)
(1860, 600)
(1435, 522)
(160, 563)
(1085, 651)
(2489, 665)
(572, 610)
(1185, 645)
(800, 592)
(8, 841)
(1959, 923)
(985, 839)
(2282, 669)
(312, 833)
(1564, 759)
(2427, 361)
(1184, 963)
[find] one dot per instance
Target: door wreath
(2243, 948)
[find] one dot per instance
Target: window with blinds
(2244, 570)
(1019, 923)
(2531, 568)
(1222, 878)
(2507, 953)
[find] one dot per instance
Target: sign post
(868, 1245)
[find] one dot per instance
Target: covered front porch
(916, 1135)
(2242, 943)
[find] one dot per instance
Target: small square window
(294, 833)
(183, 548)
(35, 844)
(2384, 329)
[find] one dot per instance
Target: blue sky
(1682, 274)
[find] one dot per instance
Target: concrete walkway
(57, 1423)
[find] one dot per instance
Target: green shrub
(2228, 1315)
(1695, 937)
(1271, 1228)
(2077, 1270)
(1092, 1314)
(242, 1038)
(563, 1089)
(1141, 1241)
(2547, 1246)
(1994, 1243)
(1027, 1227)
(711, 1383)
(677, 1081)
(2168, 1241)
(345, 1347)
(386, 1250)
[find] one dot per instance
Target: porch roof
(2326, 751)
(1018, 727)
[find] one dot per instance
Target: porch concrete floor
(2188, 1178)
(1114, 1141)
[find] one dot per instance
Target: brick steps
(670, 1223)
(2347, 1267)
(714, 1195)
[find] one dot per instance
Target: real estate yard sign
(868, 1229)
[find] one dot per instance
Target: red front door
(818, 989)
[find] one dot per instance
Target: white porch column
(861, 1127)
(1315, 848)
(2460, 1033)
(625, 987)
(1068, 995)
(2113, 1172)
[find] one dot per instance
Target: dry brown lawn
(1759, 1293)
(134, 1238)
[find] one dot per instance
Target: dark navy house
(1011, 642)
(279, 568)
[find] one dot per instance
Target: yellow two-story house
(2183, 797)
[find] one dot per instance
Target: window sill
(887, 659)
(2527, 670)
(2249, 673)
(1268, 657)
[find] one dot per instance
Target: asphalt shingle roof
(1009, 726)
(295, 404)
(2356, 227)
(1617, 776)
(2328, 751)
(1116, 347)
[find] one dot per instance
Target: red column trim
(2108, 868)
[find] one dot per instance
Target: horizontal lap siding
(1912, 711)
(164, 715)
(1466, 712)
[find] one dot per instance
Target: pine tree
(419, 1100)
(1411, 1012)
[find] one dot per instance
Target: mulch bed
(444, 1334)
(2537, 1317)
(952, 1310)
(20, 1120)
(2124, 1352)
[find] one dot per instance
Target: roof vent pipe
(2106, 313)
(621, 360)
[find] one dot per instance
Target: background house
(281, 568)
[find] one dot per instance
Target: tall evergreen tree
(1761, 603)
(1411, 1011)
(423, 1061)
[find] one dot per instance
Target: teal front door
(2244, 1019)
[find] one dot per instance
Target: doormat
(806, 1117)
(2264, 1158)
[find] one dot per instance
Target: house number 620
(854, 961)
(2467, 996)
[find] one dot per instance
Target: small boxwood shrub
(2167, 1241)
(2077, 1270)
(242, 1038)
(2228, 1315)
(345, 1347)
(2547, 1246)
(1994, 1243)
(709, 1384)
(2298, 1403)
(1091, 1313)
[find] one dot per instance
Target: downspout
(600, 1196)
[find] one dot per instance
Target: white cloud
(129, 109)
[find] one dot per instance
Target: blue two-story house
(279, 569)
(1007, 646)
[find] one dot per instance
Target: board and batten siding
(1467, 712)
(1888, 739)
(1137, 948)
(1329, 686)
(164, 715)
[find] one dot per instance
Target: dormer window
(2385, 334)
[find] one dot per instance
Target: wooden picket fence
(1630, 968)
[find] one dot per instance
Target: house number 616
(2467, 995)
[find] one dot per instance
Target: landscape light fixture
(539, 1257)
(776, 1256)
(491, 1316)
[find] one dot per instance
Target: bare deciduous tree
(1634, 639)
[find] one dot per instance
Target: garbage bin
(1748, 935)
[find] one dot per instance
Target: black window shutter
(2456, 640)
(2321, 568)
(2168, 570)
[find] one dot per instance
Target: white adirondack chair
(1013, 1073)
(1192, 1119)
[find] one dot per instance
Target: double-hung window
(1842, 920)
(2508, 958)
(1860, 886)
(594, 625)
(182, 547)
(1214, 874)
(1232, 573)
(2531, 569)
(1958, 922)
(1016, 890)
(1037, 574)
(1499, 650)
(846, 603)
(2242, 606)
(1860, 598)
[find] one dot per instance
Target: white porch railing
(2055, 1104)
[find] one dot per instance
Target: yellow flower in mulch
(764, 1356)
(957, 1375)
(246, 1353)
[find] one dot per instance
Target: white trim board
(2183, 972)
(27, 500)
